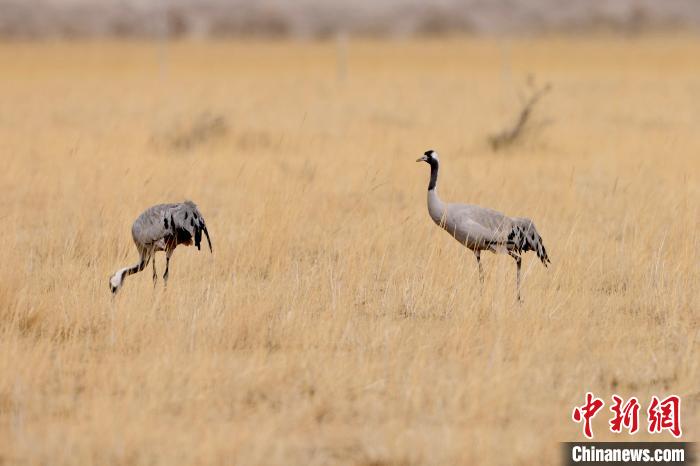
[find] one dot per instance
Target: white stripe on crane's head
(429, 156)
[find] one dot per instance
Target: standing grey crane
(482, 229)
(162, 228)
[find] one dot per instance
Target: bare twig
(509, 135)
(207, 126)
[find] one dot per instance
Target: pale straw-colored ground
(335, 323)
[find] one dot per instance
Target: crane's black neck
(434, 166)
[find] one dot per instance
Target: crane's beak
(422, 159)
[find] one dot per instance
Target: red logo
(587, 412)
(665, 415)
(662, 415)
(626, 415)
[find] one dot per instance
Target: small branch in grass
(205, 127)
(509, 135)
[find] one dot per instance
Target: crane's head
(430, 157)
(116, 280)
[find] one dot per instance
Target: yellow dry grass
(335, 323)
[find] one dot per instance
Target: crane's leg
(518, 263)
(168, 253)
(155, 276)
(477, 253)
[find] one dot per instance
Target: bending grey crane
(162, 228)
(482, 229)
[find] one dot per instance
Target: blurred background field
(334, 323)
(321, 18)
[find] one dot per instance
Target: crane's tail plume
(524, 237)
(200, 228)
(195, 226)
(206, 233)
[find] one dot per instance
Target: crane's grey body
(480, 228)
(162, 228)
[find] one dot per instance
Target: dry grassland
(334, 323)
